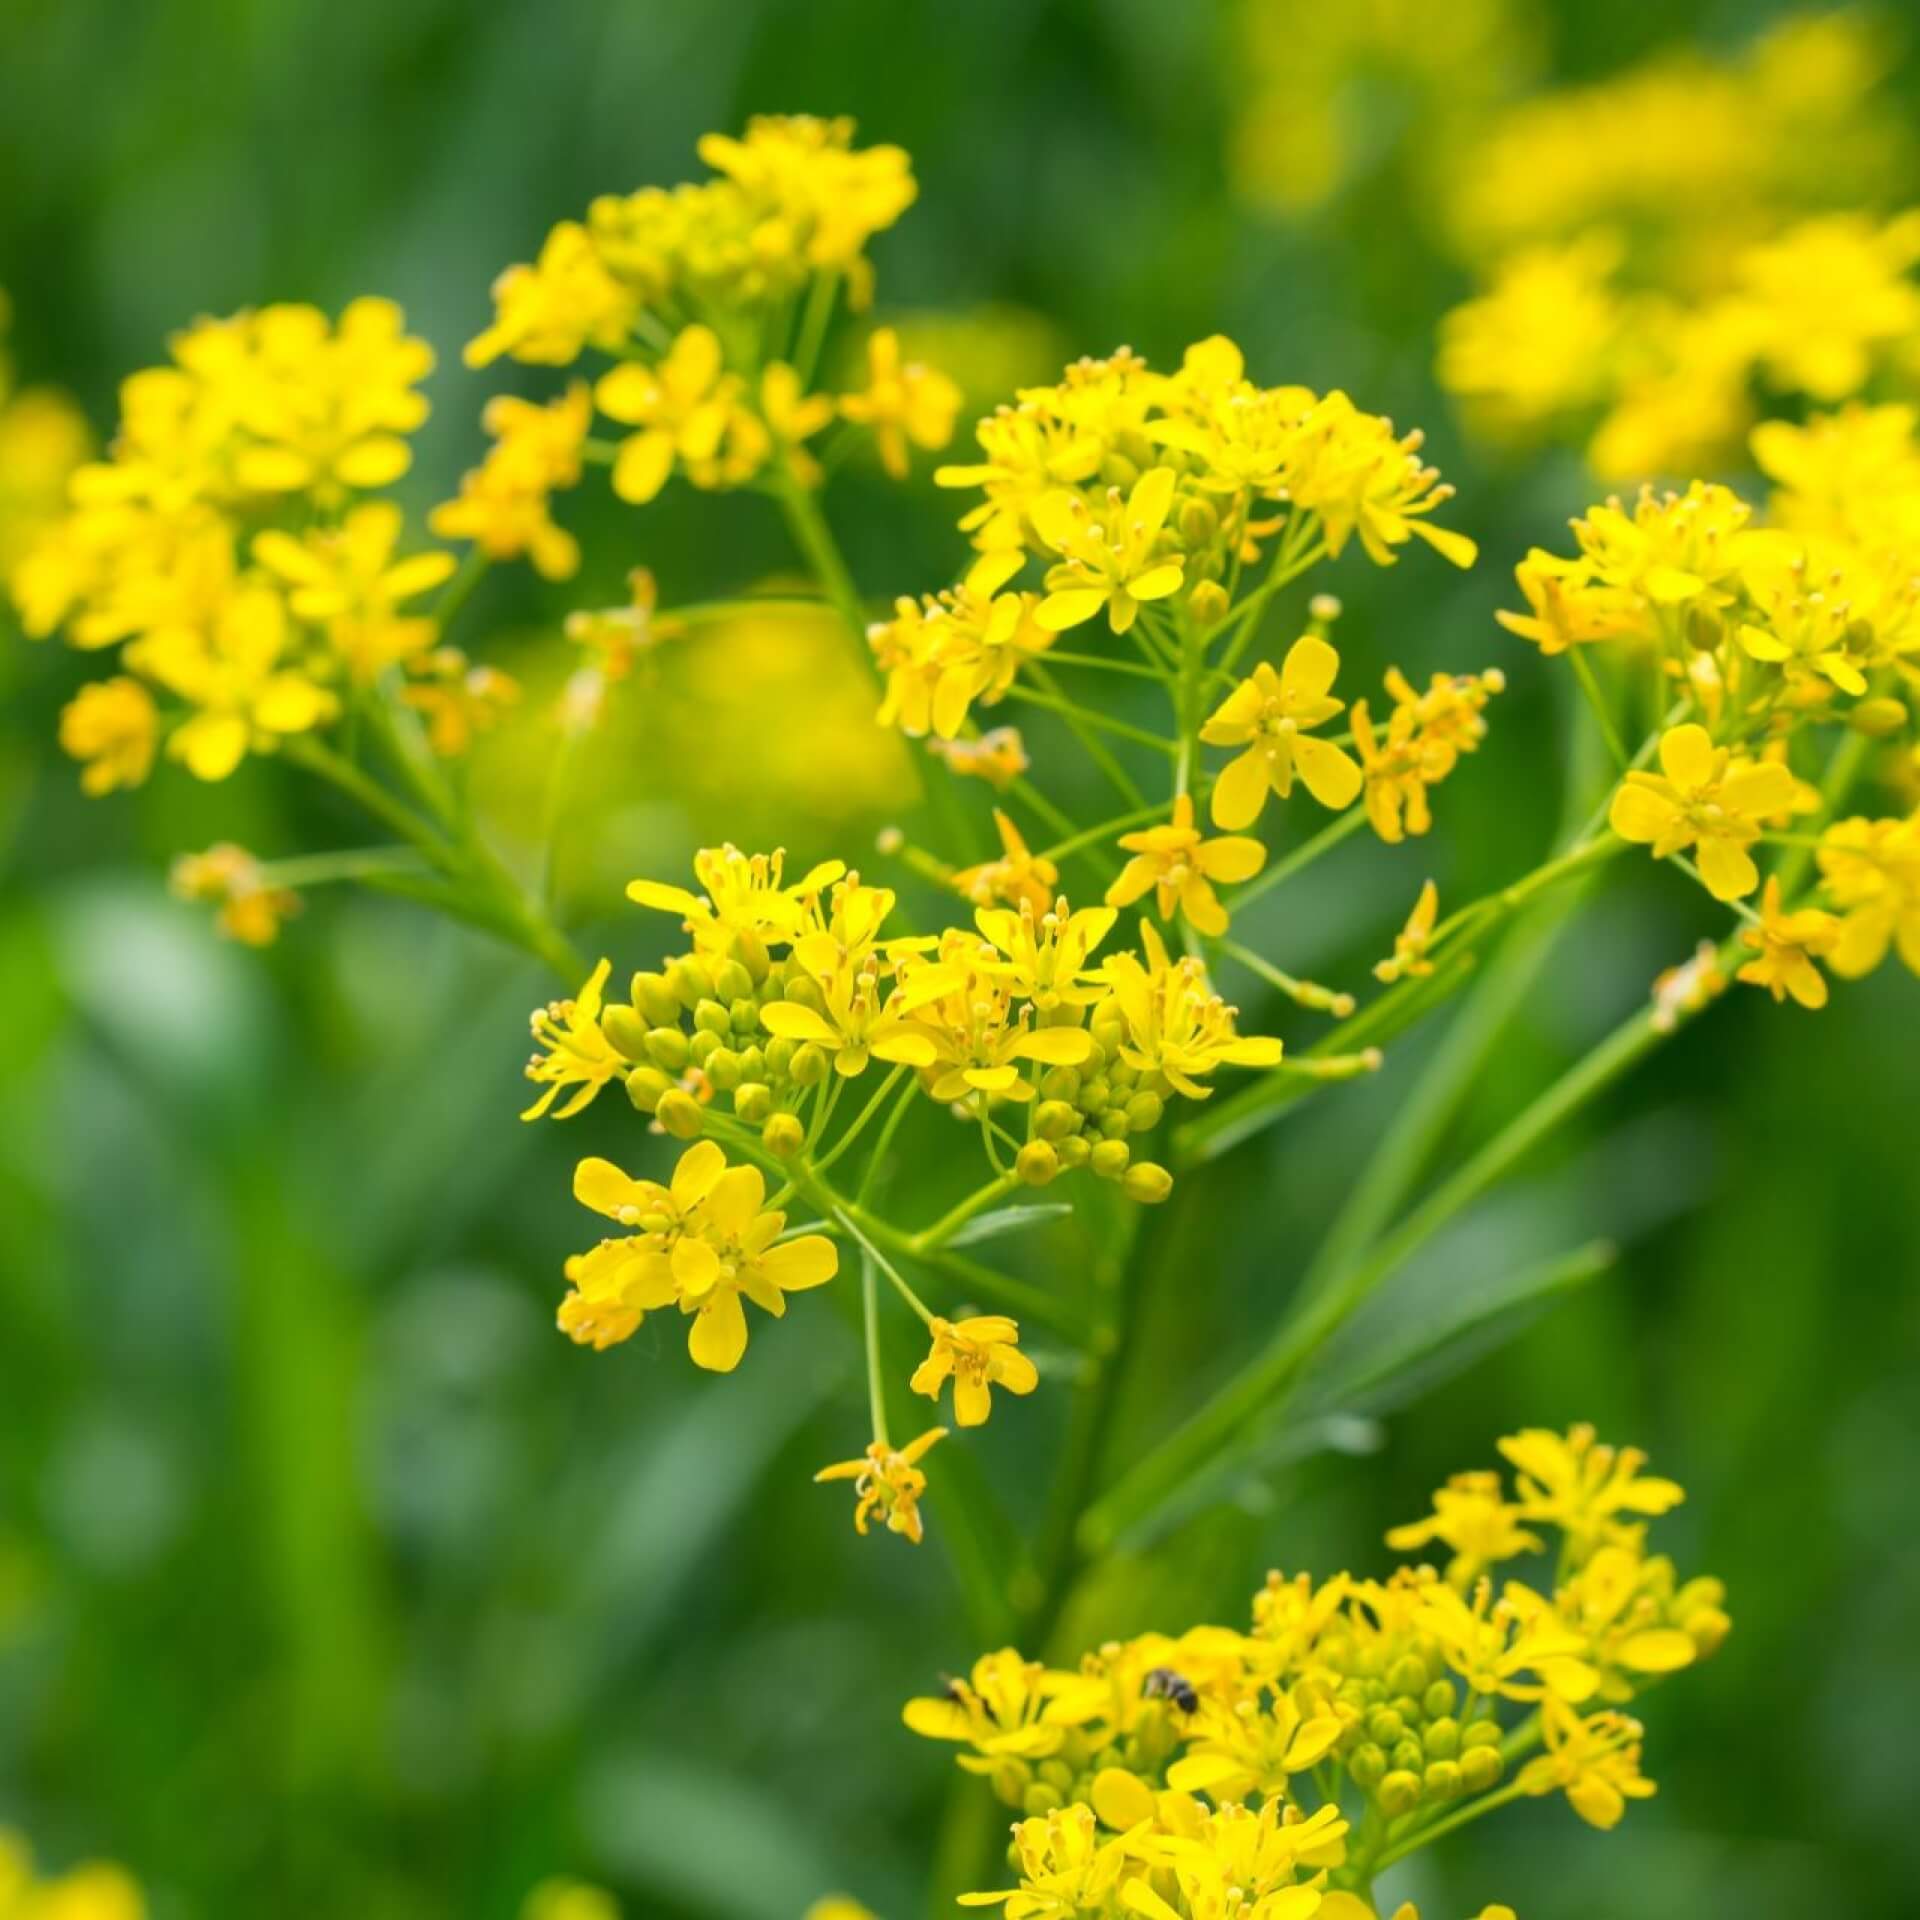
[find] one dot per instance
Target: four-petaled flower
(1178, 866)
(1112, 565)
(577, 1053)
(888, 1480)
(1270, 715)
(978, 1354)
(1786, 945)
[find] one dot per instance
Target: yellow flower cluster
(1762, 632)
(713, 298)
(1357, 1718)
(43, 439)
(1659, 383)
(1686, 150)
(93, 1892)
(223, 547)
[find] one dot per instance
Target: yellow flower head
(1175, 1024)
(902, 403)
(977, 1355)
(1271, 715)
(1470, 1515)
(705, 1243)
(251, 906)
(547, 313)
(1110, 562)
(1067, 1866)
(504, 504)
(1409, 961)
(1872, 874)
(1594, 1761)
(1573, 1482)
(1706, 798)
(979, 1042)
(1000, 1711)
(1786, 945)
(1046, 954)
(348, 582)
(746, 898)
(888, 1481)
(688, 411)
(112, 727)
(1178, 866)
(1019, 877)
(576, 1053)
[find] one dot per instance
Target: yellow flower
(855, 1022)
(1178, 867)
(1270, 715)
(458, 698)
(943, 653)
(1019, 876)
(901, 403)
(1408, 960)
(1594, 1761)
(999, 1710)
(348, 581)
(1046, 953)
(998, 757)
(1067, 1867)
(1786, 945)
(112, 726)
(95, 1891)
(1470, 1515)
(1567, 606)
(1706, 798)
(251, 907)
(706, 1242)
(503, 504)
(1176, 1024)
(1872, 874)
(746, 899)
(1233, 1754)
(888, 1481)
(688, 410)
(578, 1053)
(1110, 563)
(793, 416)
(545, 314)
(569, 1900)
(247, 698)
(1575, 1484)
(978, 1355)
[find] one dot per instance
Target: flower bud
(743, 1015)
(1039, 1800)
(667, 1047)
(1367, 1764)
(805, 992)
(1208, 603)
(1443, 1780)
(1385, 1726)
(1408, 1754)
(1399, 1793)
(1054, 1120)
(751, 952)
(1073, 1151)
(626, 1031)
(780, 1057)
(1441, 1739)
(1113, 1124)
(681, 1114)
(1198, 521)
(1147, 1181)
(808, 1066)
(711, 1017)
(1060, 1083)
(1480, 1767)
(753, 1063)
(645, 1086)
(691, 980)
(1095, 1092)
(1109, 1159)
(1705, 628)
(783, 1135)
(1878, 717)
(1143, 1112)
(656, 999)
(723, 1069)
(753, 1101)
(702, 1047)
(1409, 1675)
(1036, 1163)
(731, 981)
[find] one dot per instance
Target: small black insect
(950, 1689)
(1164, 1684)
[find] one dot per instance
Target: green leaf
(1005, 1220)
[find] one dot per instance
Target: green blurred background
(332, 1581)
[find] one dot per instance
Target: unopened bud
(783, 1135)
(732, 981)
(1143, 1112)
(691, 980)
(1073, 1151)
(1036, 1163)
(681, 1114)
(702, 1047)
(1398, 1793)
(1054, 1120)
(1208, 603)
(1146, 1181)
(645, 1086)
(1878, 717)
(723, 1069)
(753, 1101)
(711, 1017)
(1109, 1159)
(667, 1047)
(656, 999)
(626, 1031)
(808, 1066)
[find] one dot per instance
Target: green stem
(1329, 837)
(1106, 830)
(1078, 717)
(1397, 1850)
(860, 1120)
(471, 571)
(1251, 1394)
(321, 869)
(931, 1239)
(876, 1381)
(814, 538)
(1597, 701)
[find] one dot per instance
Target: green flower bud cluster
(1085, 1115)
(1406, 1744)
(1067, 1777)
(694, 1028)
